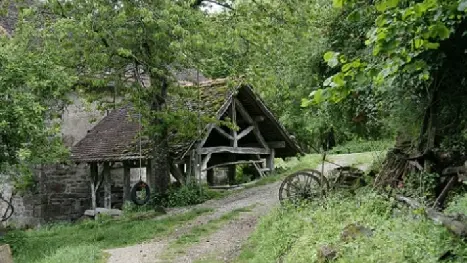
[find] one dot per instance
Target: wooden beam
(272, 144)
(203, 141)
(107, 187)
(247, 117)
(177, 173)
(236, 150)
(94, 180)
(270, 160)
(245, 132)
(206, 160)
(230, 163)
(233, 116)
(126, 182)
(221, 131)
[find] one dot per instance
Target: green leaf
(354, 16)
(305, 103)
(462, 5)
(439, 30)
(431, 45)
(317, 95)
(386, 4)
(338, 3)
(331, 58)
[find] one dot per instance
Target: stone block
(5, 254)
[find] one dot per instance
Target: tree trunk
(160, 165)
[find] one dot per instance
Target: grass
(198, 232)
(89, 237)
(361, 146)
(291, 234)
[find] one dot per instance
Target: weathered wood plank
(245, 132)
(236, 150)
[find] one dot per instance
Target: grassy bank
(82, 243)
(398, 234)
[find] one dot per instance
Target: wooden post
(150, 178)
(94, 179)
(107, 187)
(126, 182)
(232, 170)
(210, 176)
(270, 161)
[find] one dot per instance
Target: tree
(33, 92)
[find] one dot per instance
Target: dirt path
(224, 244)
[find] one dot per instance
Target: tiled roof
(115, 137)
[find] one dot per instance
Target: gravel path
(224, 245)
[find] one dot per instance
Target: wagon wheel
(302, 185)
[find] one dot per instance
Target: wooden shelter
(257, 139)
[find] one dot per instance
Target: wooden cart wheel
(302, 185)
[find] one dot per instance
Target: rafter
(250, 120)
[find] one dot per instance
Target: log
(454, 225)
(5, 254)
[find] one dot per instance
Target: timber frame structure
(254, 137)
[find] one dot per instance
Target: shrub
(189, 194)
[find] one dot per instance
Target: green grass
(81, 254)
(360, 146)
(294, 234)
(198, 232)
(51, 242)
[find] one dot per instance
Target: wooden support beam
(209, 130)
(236, 150)
(270, 161)
(126, 182)
(107, 187)
(206, 160)
(245, 132)
(248, 118)
(223, 133)
(95, 183)
(150, 177)
(177, 173)
(233, 116)
(272, 144)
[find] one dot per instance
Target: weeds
(51, 242)
(399, 235)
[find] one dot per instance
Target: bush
(360, 146)
(189, 194)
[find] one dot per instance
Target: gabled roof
(115, 137)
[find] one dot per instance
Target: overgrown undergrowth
(292, 234)
(82, 243)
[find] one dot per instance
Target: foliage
(361, 146)
(189, 194)
(51, 241)
(75, 254)
(293, 234)
(33, 91)
(458, 205)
